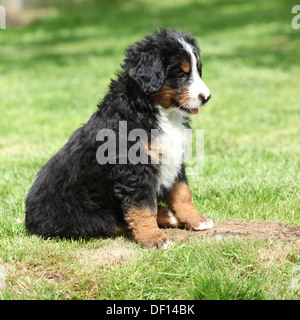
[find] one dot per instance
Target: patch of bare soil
(113, 253)
(239, 228)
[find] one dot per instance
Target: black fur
(73, 195)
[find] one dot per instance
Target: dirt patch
(239, 228)
(114, 252)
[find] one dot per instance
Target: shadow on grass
(115, 24)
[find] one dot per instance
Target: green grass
(55, 70)
(119, 269)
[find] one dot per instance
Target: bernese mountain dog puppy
(77, 195)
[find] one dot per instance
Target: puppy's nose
(204, 98)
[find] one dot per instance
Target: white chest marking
(172, 145)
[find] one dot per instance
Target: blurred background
(57, 59)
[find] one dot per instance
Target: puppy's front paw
(159, 242)
(143, 223)
(204, 224)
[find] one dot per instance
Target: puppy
(90, 188)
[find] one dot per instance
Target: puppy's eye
(183, 75)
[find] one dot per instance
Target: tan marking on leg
(143, 223)
(166, 218)
(180, 202)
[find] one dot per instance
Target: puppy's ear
(147, 70)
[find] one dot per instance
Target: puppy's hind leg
(166, 218)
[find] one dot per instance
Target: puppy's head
(167, 66)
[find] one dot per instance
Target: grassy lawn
(54, 71)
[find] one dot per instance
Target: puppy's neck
(170, 115)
